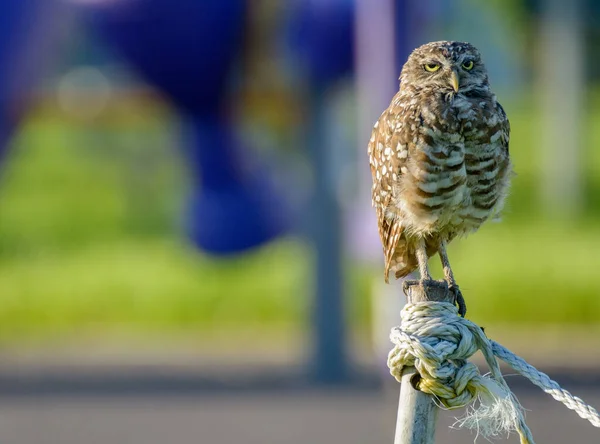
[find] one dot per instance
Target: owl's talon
(459, 300)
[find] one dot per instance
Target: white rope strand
(438, 342)
(544, 382)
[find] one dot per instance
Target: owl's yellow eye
(432, 67)
(468, 65)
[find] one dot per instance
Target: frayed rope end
(497, 411)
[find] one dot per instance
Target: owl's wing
(388, 153)
(504, 161)
(505, 128)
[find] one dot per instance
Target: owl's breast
(453, 178)
(434, 184)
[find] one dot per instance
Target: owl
(439, 159)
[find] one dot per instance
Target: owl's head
(453, 67)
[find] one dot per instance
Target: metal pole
(417, 412)
(330, 359)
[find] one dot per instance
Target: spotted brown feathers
(438, 155)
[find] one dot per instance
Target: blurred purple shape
(321, 33)
(25, 37)
(234, 205)
(187, 48)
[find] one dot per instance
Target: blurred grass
(148, 285)
(90, 241)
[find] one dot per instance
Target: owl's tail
(400, 259)
(404, 262)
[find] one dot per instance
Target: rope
(544, 382)
(437, 342)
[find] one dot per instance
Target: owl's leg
(449, 276)
(426, 281)
(421, 253)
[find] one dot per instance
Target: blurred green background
(118, 325)
(91, 232)
(91, 245)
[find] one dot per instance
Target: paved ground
(169, 398)
(54, 412)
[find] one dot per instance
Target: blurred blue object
(184, 47)
(19, 57)
(187, 49)
(321, 34)
(234, 205)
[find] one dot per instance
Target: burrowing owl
(439, 158)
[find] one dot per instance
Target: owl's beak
(454, 80)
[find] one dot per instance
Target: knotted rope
(437, 342)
